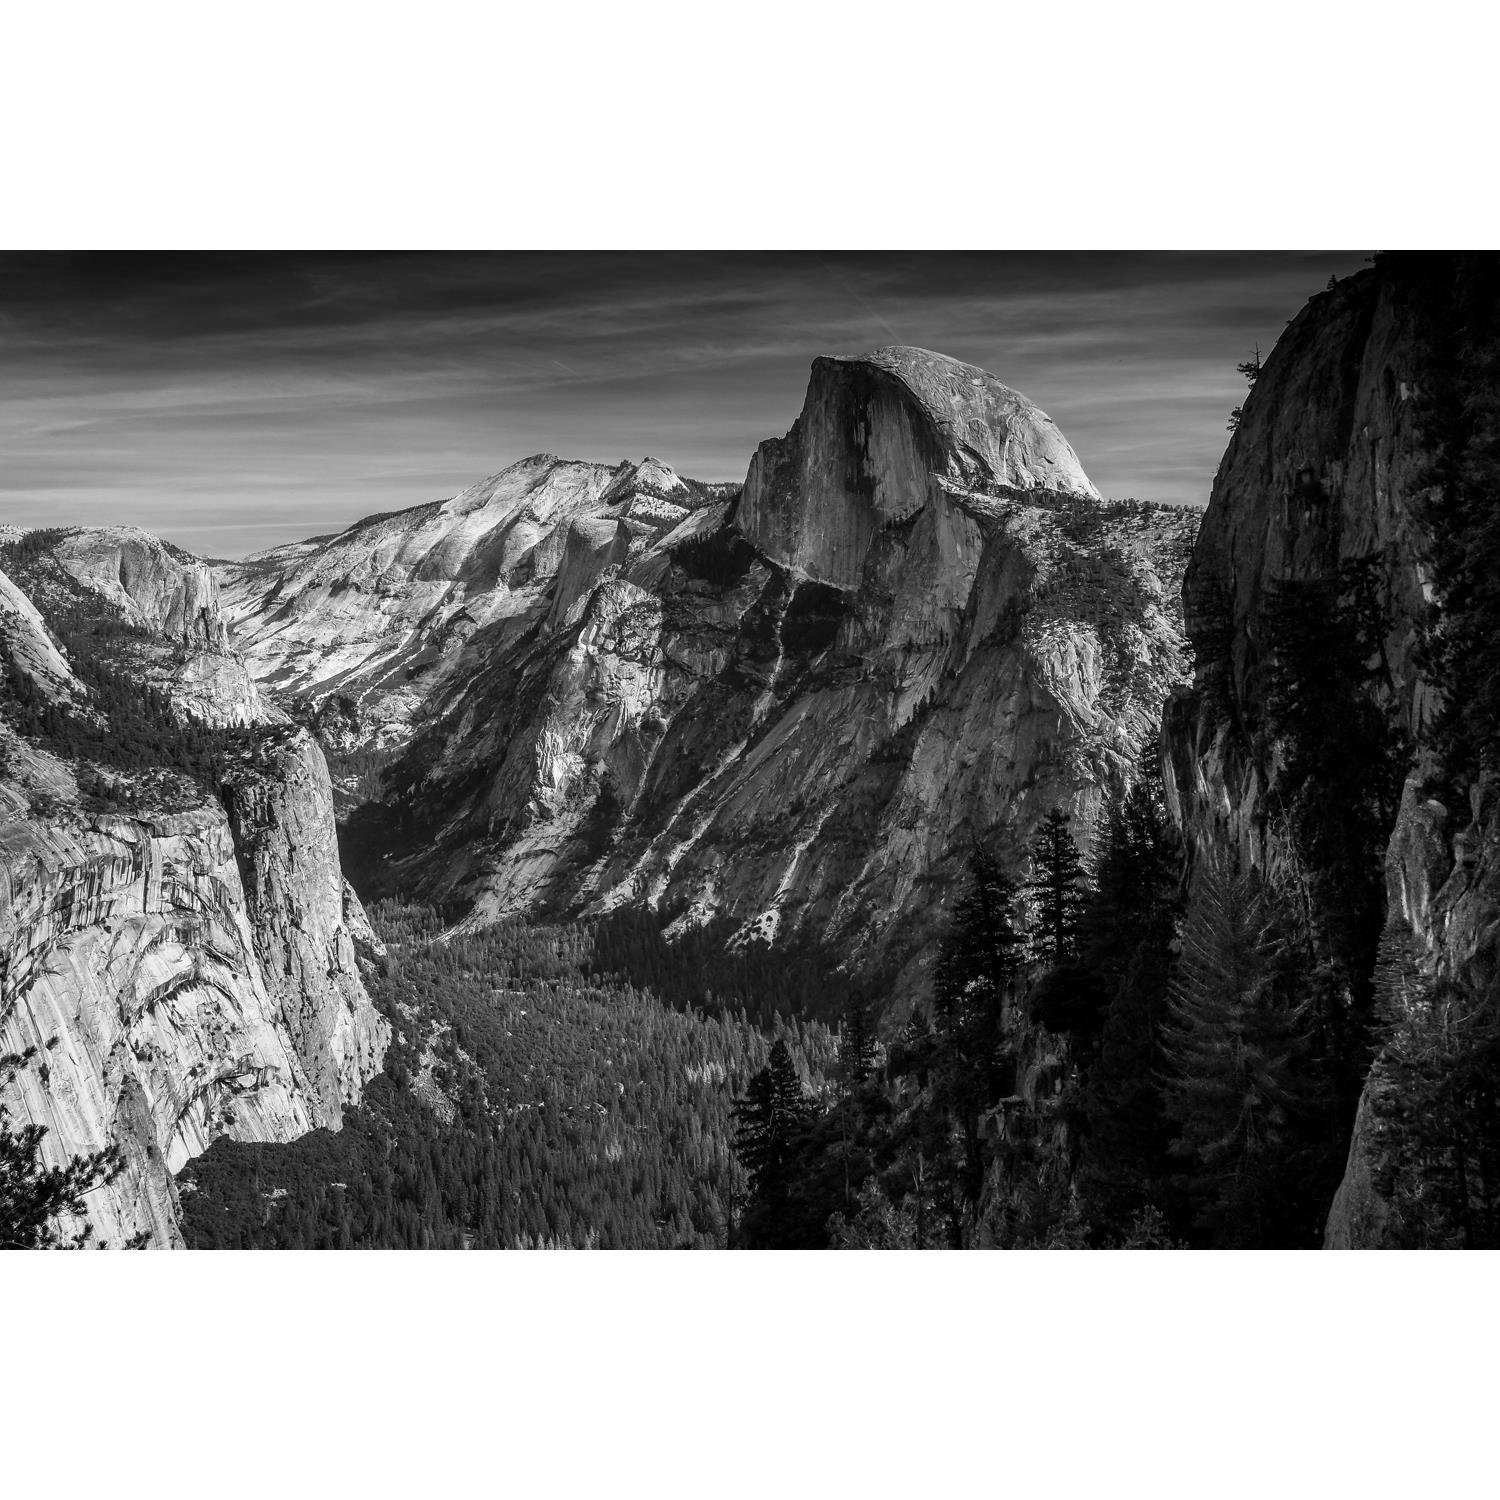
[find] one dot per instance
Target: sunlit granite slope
(182, 973)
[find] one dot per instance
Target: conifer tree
(1056, 889)
(1241, 1081)
(1435, 1106)
(1343, 759)
(972, 1066)
(33, 1196)
(768, 1121)
(1127, 940)
(857, 1046)
(1458, 411)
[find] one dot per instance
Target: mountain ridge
(685, 696)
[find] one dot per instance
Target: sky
(229, 402)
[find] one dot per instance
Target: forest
(1115, 1059)
(532, 1097)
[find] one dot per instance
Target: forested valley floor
(535, 1094)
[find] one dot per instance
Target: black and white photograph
(621, 639)
(911, 828)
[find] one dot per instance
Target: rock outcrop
(307, 921)
(1329, 464)
(919, 624)
(182, 973)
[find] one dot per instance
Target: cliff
(877, 437)
(307, 921)
(1333, 462)
(184, 973)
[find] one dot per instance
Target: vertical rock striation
(126, 959)
(877, 438)
(181, 974)
(1330, 464)
(306, 919)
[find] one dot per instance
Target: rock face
(30, 652)
(379, 614)
(186, 973)
(168, 591)
(1320, 470)
(1327, 465)
(307, 920)
(879, 436)
(129, 963)
(919, 625)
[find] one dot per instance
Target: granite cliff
(184, 964)
(1333, 463)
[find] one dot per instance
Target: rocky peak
(995, 435)
(878, 436)
(649, 474)
(158, 606)
(382, 612)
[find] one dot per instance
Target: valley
(908, 847)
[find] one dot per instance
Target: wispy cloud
(227, 401)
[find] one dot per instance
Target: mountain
(1343, 495)
(373, 620)
(176, 937)
(706, 767)
(788, 712)
(778, 716)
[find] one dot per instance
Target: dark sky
(229, 402)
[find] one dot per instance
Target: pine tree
(1435, 1096)
(857, 1046)
(1343, 760)
(1057, 889)
(1127, 939)
(972, 1066)
(33, 1196)
(1250, 369)
(1457, 298)
(1240, 1082)
(769, 1120)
